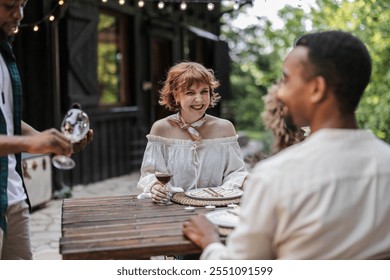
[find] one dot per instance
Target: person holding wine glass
(16, 137)
(199, 149)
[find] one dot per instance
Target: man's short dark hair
(343, 60)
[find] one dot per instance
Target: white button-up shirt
(325, 198)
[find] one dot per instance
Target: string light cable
(183, 4)
(51, 16)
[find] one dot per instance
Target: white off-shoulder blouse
(209, 163)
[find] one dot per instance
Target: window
(112, 59)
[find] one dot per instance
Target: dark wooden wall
(33, 52)
(117, 148)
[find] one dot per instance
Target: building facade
(111, 57)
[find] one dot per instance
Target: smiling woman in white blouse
(198, 149)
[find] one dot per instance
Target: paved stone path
(46, 221)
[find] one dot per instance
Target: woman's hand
(158, 193)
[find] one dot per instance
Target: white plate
(223, 218)
(211, 193)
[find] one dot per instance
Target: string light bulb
(104, 1)
(210, 6)
(122, 2)
(141, 3)
(183, 6)
(61, 2)
(161, 5)
(52, 18)
(36, 28)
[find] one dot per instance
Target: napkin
(173, 189)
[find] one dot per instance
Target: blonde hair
(182, 76)
(273, 120)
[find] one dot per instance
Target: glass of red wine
(163, 176)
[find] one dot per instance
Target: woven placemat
(181, 198)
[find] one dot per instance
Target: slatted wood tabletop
(122, 227)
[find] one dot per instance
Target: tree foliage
(258, 51)
(369, 20)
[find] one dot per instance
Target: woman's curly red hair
(181, 77)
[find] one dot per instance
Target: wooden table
(122, 227)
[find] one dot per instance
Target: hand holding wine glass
(74, 126)
(163, 176)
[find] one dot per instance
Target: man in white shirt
(324, 198)
(16, 137)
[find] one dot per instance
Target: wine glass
(163, 176)
(74, 126)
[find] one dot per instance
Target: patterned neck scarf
(190, 128)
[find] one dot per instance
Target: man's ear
(318, 89)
